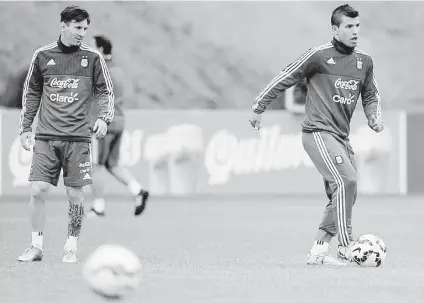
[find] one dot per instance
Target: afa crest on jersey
(84, 62)
(359, 64)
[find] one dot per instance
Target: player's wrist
(256, 114)
(104, 120)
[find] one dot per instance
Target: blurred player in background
(337, 74)
(107, 149)
(62, 78)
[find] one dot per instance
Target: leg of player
(327, 229)
(45, 171)
(76, 176)
(332, 160)
(97, 189)
(125, 177)
(75, 218)
(37, 204)
(107, 155)
(343, 252)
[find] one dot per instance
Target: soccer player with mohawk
(337, 76)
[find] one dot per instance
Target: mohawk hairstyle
(343, 10)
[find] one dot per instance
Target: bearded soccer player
(337, 74)
(62, 78)
(108, 148)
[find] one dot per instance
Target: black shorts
(108, 150)
(50, 157)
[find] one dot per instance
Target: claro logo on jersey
(346, 84)
(344, 100)
(67, 83)
(64, 99)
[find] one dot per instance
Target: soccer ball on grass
(112, 271)
(369, 251)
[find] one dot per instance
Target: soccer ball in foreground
(369, 251)
(112, 271)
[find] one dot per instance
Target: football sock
(134, 187)
(71, 243)
(319, 247)
(37, 239)
(99, 205)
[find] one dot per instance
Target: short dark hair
(343, 10)
(105, 43)
(74, 12)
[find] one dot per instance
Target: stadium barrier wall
(217, 152)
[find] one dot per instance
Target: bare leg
(75, 215)
(123, 175)
(97, 186)
(37, 205)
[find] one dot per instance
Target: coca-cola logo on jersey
(67, 83)
(346, 84)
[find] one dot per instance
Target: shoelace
(30, 249)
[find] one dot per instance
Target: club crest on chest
(84, 61)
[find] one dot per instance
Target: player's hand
(376, 123)
(26, 140)
(100, 128)
(255, 120)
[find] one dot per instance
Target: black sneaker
(141, 201)
(94, 213)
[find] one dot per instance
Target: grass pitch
(217, 249)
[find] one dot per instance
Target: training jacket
(337, 76)
(60, 85)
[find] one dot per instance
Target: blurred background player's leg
(108, 157)
(332, 160)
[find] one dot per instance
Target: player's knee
(351, 181)
(75, 194)
(39, 191)
(110, 168)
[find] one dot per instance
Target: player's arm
(289, 76)
(371, 100)
(120, 86)
(31, 96)
(103, 90)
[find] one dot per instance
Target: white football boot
(318, 255)
(323, 259)
(70, 256)
(345, 252)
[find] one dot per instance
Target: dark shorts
(108, 150)
(50, 157)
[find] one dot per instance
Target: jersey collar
(341, 47)
(67, 49)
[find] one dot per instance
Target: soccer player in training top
(337, 74)
(107, 155)
(62, 78)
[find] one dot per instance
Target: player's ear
(334, 29)
(62, 25)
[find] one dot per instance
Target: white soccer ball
(376, 242)
(369, 251)
(112, 271)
